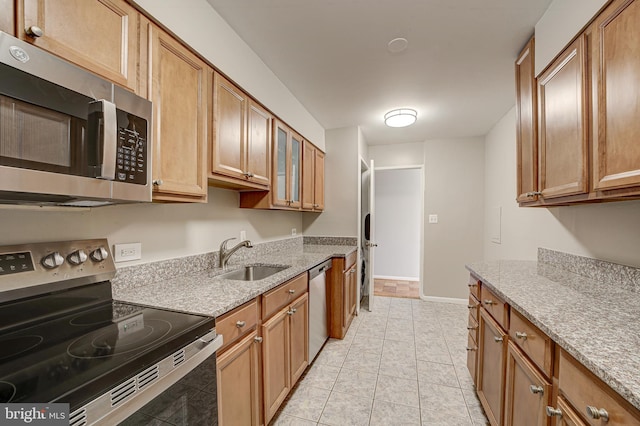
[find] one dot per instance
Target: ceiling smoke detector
(402, 117)
(397, 45)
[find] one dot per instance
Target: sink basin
(253, 273)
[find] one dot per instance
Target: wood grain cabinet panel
(238, 376)
(491, 367)
(7, 17)
(233, 325)
(533, 342)
(99, 35)
(495, 306)
(276, 362)
(527, 392)
(526, 125)
(259, 144)
(342, 295)
(563, 136)
(299, 344)
(312, 178)
(569, 416)
(179, 87)
(615, 63)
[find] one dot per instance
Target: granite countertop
(596, 322)
(205, 293)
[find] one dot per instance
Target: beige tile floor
(402, 364)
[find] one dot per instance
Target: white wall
(454, 189)
(165, 230)
(342, 189)
(607, 231)
(398, 217)
(201, 27)
(559, 24)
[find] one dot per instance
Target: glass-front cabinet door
(287, 160)
(295, 172)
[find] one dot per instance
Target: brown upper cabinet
(179, 94)
(7, 17)
(616, 73)
(527, 146)
(241, 139)
(101, 36)
(312, 177)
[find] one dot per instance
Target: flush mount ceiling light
(397, 45)
(400, 117)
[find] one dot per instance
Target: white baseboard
(445, 300)
(390, 278)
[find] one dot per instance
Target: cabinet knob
(536, 389)
(471, 307)
(553, 412)
(158, 182)
(241, 324)
(470, 349)
(257, 339)
(498, 339)
(34, 31)
(473, 284)
(597, 413)
(315, 206)
(472, 328)
(489, 302)
(291, 291)
(292, 311)
(521, 335)
(532, 194)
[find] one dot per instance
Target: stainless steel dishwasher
(318, 327)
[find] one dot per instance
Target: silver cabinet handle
(597, 413)
(553, 412)
(472, 328)
(257, 339)
(241, 324)
(158, 182)
(489, 302)
(532, 194)
(471, 306)
(498, 339)
(472, 284)
(292, 311)
(34, 31)
(470, 349)
(521, 335)
(536, 389)
(292, 291)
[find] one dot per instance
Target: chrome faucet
(224, 254)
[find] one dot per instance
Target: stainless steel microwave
(68, 137)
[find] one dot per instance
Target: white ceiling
(458, 70)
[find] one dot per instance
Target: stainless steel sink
(253, 272)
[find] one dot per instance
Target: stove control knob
(78, 257)
(52, 260)
(99, 254)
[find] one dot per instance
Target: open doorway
(398, 224)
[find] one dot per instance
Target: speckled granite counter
(593, 319)
(206, 293)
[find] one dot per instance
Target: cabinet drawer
(582, 389)
(350, 260)
(474, 286)
(473, 306)
(275, 299)
(237, 323)
(497, 307)
(533, 342)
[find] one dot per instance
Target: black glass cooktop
(75, 345)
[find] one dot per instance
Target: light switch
(433, 218)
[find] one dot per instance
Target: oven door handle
(212, 338)
(108, 138)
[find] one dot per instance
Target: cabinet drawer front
(286, 293)
(474, 286)
(497, 307)
(533, 342)
(350, 260)
(582, 389)
(474, 307)
(472, 327)
(237, 323)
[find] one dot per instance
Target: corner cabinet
(312, 178)
(179, 87)
(100, 36)
(342, 289)
(241, 139)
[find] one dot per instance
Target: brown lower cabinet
(491, 367)
(342, 295)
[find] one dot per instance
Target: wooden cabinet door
(179, 88)
(563, 136)
(228, 156)
(353, 292)
(275, 362)
(258, 144)
(569, 416)
(279, 181)
(346, 299)
(7, 17)
(299, 343)
(99, 35)
(527, 392)
(526, 125)
(491, 367)
(308, 175)
(295, 170)
(616, 74)
(238, 375)
(318, 181)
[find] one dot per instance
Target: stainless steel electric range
(64, 340)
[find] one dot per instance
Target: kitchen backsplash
(331, 241)
(607, 273)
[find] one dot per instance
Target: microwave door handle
(109, 138)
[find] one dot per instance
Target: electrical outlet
(127, 252)
(243, 235)
(433, 218)
(293, 232)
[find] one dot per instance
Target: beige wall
(607, 231)
(201, 27)
(454, 190)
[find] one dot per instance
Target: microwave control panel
(131, 158)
